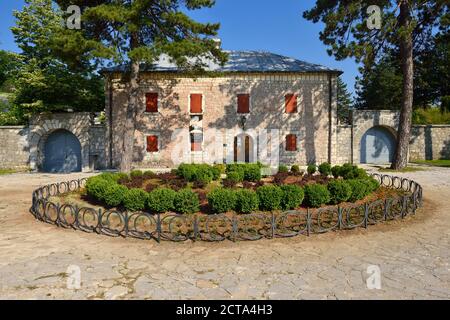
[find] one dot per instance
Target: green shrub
(295, 169)
(336, 171)
(349, 171)
(292, 196)
(222, 200)
(221, 167)
(372, 183)
(136, 174)
(186, 201)
(186, 171)
(325, 169)
(252, 172)
(312, 168)
(316, 195)
(246, 201)
(269, 197)
(161, 200)
(135, 199)
(96, 186)
(340, 191)
(360, 189)
(203, 174)
(114, 194)
(121, 177)
(283, 169)
(235, 176)
(216, 172)
(109, 176)
(148, 174)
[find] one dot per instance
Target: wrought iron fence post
(234, 228)
(99, 222)
(195, 228)
(414, 202)
(404, 206)
(58, 208)
(126, 223)
(386, 209)
(272, 225)
(308, 222)
(158, 227)
(339, 217)
(76, 221)
(366, 214)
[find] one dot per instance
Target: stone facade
(430, 142)
(14, 147)
(313, 122)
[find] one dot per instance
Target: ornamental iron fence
(218, 227)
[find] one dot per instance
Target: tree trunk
(406, 55)
(130, 121)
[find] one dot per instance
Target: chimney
(218, 42)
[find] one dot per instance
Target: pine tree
(139, 31)
(344, 101)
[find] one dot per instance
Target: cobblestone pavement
(413, 256)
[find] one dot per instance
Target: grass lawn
(407, 169)
(6, 171)
(436, 163)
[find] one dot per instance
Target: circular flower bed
(199, 201)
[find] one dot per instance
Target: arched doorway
(62, 152)
(377, 146)
(243, 148)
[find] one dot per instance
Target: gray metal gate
(377, 146)
(62, 152)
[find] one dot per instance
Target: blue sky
(269, 25)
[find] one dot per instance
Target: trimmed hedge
(336, 171)
(222, 200)
(316, 195)
(311, 169)
(325, 169)
(136, 174)
(235, 176)
(295, 169)
(248, 171)
(96, 186)
(340, 191)
(186, 201)
(135, 199)
(283, 169)
(247, 201)
(114, 194)
(292, 196)
(202, 172)
(359, 189)
(269, 197)
(161, 200)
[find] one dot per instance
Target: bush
(269, 197)
(135, 199)
(186, 171)
(148, 174)
(235, 176)
(283, 169)
(340, 191)
(217, 171)
(121, 177)
(295, 169)
(246, 201)
(109, 176)
(114, 194)
(325, 169)
(136, 174)
(186, 201)
(359, 189)
(349, 171)
(252, 172)
(292, 196)
(161, 200)
(222, 200)
(372, 183)
(203, 174)
(336, 171)
(316, 195)
(96, 186)
(312, 168)
(221, 167)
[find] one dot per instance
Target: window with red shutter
(291, 142)
(290, 103)
(243, 103)
(152, 143)
(196, 103)
(151, 102)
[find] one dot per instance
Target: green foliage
(372, 184)
(360, 189)
(114, 194)
(135, 199)
(186, 201)
(344, 102)
(148, 174)
(325, 169)
(295, 169)
(203, 173)
(222, 200)
(96, 186)
(161, 200)
(270, 197)
(430, 116)
(336, 171)
(292, 196)
(221, 167)
(340, 191)
(235, 176)
(316, 195)
(282, 169)
(349, 171)
(247, 201)
(9, 66)
(246, 171)
(311, 169)
(136, 173)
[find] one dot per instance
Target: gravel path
(39, 261)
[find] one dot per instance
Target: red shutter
(291, 103)
(291, 142)
(151, 102)
(196, 103)
(243, 103)
(152, 143)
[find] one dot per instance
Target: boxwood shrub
(269, 197)
(235, 176)
(252, 172)
(295, 169)
(161, 200)
(292, 196)
(316, 195)
(246, 201)
(311, 169)
(373, 184)
(282, 168)
(336, 171)
(136, 174)
(135, 199)
(186, 201)
(114, 194)
(96, 186)
(222, 200)
(340, 191)
(359, 187)
(325, 169)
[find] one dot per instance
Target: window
(196, 103)
(290, 103)
(291, 142)
(196, 141)
(243, 103)
(151, 102)
(152, 143)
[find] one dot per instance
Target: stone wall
(14, 147)
(430, 142)
(98, 144)
(344, 144)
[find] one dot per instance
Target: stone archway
(243, 148)
(62, 152)
(377, 145)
